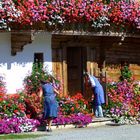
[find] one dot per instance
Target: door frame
(59, 57)
(81, 66)
(64, 46)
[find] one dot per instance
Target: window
(38, 59)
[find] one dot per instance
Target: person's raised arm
(40, 92)
(56, 91)
(91, 79)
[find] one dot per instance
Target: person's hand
(40, 93)
(56, 91)
(92, 97)
(60, 94)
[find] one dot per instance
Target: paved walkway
(106, 132)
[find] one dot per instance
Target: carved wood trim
(19, 40)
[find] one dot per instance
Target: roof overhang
(100, 34)
(78, 33)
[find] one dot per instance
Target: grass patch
(20, 136)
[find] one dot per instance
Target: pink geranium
(96, 14)
(124, 101)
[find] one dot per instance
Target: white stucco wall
(15, 68)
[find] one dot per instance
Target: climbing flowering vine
(86, 15)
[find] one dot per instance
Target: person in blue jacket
(99, 97)
(50, 102)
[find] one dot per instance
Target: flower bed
(12, 115)
(12, 105)
(22, 112)
(89, 15)
(124, 102)
(17, 125)
(72, 110)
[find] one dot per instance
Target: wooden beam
(19, 40)
(64, 62)
(104, 34)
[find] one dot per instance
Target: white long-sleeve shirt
(92, 81)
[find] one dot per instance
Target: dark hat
(43, 82)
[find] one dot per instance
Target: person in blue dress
(50, 109)
(99, 97)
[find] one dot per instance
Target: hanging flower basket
(90, 16)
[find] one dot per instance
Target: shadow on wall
(41, 44)
(15, 68)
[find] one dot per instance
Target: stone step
(95, 123)
(101, 119)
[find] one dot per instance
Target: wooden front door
(76, 64)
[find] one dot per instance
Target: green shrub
(32, 81)
(126, 74)
(2, 85)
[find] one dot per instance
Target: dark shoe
(49, 130)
